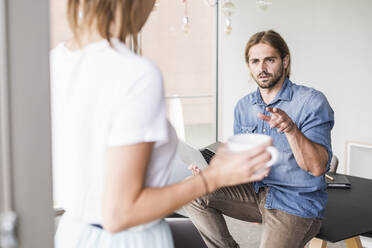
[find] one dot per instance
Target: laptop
(192, 155)
(209, 151)
(188, 154)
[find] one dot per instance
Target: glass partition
(180, 38)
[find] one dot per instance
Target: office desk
(348, 214)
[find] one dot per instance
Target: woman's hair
(272, 39)
(127, 14)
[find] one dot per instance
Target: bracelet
(204, 182)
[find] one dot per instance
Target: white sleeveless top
(102, 97)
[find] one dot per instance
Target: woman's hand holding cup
(243, 159)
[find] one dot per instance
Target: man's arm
(309, 155)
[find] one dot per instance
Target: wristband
(204, 182)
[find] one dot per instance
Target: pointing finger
(263, 117)
(274, 110)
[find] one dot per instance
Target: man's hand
(279, 119)
(309, 155)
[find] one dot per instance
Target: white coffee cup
(247, 141)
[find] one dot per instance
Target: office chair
(334, 164)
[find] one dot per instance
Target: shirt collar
(284, 94)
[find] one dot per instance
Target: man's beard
(273, 79)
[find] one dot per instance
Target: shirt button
(264, 129)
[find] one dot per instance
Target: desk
(348, 214)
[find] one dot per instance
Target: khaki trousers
(280, 229)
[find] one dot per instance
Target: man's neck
(269, 94)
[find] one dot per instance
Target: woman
(112, 144)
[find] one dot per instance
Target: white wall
(329, 42)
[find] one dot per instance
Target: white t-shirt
(102, 97)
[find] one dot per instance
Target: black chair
(185, 234)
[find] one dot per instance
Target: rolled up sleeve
(318, 121)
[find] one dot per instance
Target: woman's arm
(127, 202)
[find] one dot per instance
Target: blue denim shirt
(291, 189)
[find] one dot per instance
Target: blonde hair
(82, 14)
(272, 39)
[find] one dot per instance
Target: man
(291, 200)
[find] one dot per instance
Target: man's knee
(282, 230)
(199, 203)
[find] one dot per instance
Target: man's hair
(272, 39)
(82, 14)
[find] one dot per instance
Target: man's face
(266, 66)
